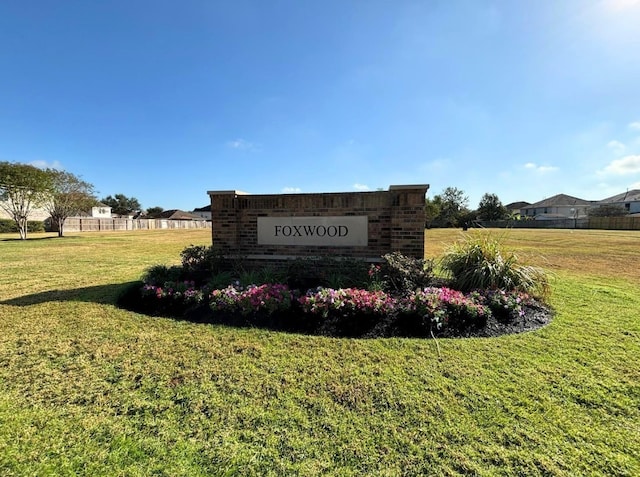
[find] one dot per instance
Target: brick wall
(395, 222)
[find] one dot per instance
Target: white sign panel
(322, 231)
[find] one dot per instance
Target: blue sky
(164, 100)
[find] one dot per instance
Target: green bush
(326, 271)
(158, 275)
(479, 262)
(8, 226)
(402, 274)
(200, 261)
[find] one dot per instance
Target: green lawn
(89, 389)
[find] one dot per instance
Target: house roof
(517, 205)
(176, 214)
(206, 208)
(559, 200)
(550, 216)
(629, 196)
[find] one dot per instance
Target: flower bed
(350, 312)
(396, 298)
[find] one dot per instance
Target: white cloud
(40, 164)
(626, 165)
(635, 185)
(291, 190)
(616, 146)
(635, 125)
(540, 169)
(619, 5)
(361, 187)
(242, 145)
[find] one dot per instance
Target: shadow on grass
(102, 294)
(28, 239)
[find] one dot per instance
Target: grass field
(89, 389)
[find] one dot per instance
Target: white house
(37, 213)
(204, 212)
(559, 206)
(629, 200)
(101, 211)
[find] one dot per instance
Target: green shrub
(220, 280)
(195, 258)
(34, 226)
(200, 261)
(479, 262)
(402, 274)
(333, 272)
(259, 276)
(158, 275)
(8, 226)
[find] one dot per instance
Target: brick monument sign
(270, 229)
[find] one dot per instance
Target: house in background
(100, 211)
(203, 212)
(559, 206)
(175, 214)
(515, 208)
(37, 213)
(629, 200)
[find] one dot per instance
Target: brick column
(408, 219)
(224, 219)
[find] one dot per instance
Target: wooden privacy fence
(615, 223)
(605, 223)
(90, 224)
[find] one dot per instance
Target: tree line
(25, 188)
(450, 208)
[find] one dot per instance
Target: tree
(431, 210)
(154, 212)
(69, 196)
(607, 210)
(453, 204)
(22, 188)
(122, 205)
(467, 218)
(490, 208)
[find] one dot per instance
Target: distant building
(629, 200)
(175, 214)
(203, 212)
(37, 213)
(559, 206)
(100, 211)
(515, 208)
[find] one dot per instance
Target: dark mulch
(535, 317)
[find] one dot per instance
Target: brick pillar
(408, 219)
(224, 219)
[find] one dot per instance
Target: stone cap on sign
(391, 188)
(406, 187)
(226, 192)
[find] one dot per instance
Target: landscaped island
(477, 289)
